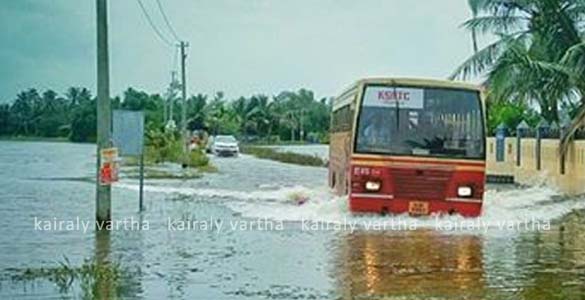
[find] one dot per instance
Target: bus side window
(341, 119)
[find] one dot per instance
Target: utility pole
(293, 125)
(170, 124)
(172, 94)
(104, 111)
(184, 45)
(302, 134)
(166, 109)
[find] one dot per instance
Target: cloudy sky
(241, 47)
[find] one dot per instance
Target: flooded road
(239, 234)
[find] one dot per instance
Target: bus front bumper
(378, 203)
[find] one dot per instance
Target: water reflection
(105, 286)
(120, 255)
(429, 264)
(416, 263)
(556, 267)
(107, 277)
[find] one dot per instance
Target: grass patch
(209, 168)
(162, 147)
(168, 147)
(35, 139)
(197, 159)
(96, 280)
(285, 157)
(134, 161)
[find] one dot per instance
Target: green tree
(24, 110)
(74, 115)
(84, 122)
(510, 114)
(6, 121)
(539, 56)
(152, 105)
(52, 120)
(196, 109)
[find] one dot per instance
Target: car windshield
(434, 122)
(225, 139)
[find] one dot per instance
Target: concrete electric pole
(172, 89)
(104, 111)
(183, 46)
(170, 124)
(302, 133)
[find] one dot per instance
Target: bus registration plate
(418, 208)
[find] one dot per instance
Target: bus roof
(343, 99)
(415, 82)
(423, 82)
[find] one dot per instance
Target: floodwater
(239, 234)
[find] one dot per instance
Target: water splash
(538, 204)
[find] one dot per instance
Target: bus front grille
(420, 184)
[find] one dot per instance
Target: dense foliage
(537, 59)
(259, 117)
(510, 114)
(284, 156)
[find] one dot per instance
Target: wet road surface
(239, 234)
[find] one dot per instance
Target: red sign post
(109, 166)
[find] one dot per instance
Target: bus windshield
(435, 122)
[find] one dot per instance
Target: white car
(225, 145)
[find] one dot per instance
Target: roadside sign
(128, 136)
(108, 166)
(128, 131)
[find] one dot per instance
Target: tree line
(534, 69)
(288, 116)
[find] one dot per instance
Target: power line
(169, 26)
(154, 28)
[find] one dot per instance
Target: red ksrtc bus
(409, 146)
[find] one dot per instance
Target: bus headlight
(373, 186)
(464, 191)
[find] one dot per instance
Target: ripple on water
(288, 264)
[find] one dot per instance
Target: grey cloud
(238, 46)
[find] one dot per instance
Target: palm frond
(517, 76)
(503, 24)
(574, 60)
(501, 7)
(484, 58)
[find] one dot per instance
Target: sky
(240, 47)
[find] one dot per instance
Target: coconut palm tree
(196, 109)
(259, 114)
(537, 56)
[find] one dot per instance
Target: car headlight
(373, 186)
(464, 191)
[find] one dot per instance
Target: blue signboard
(128, 132)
